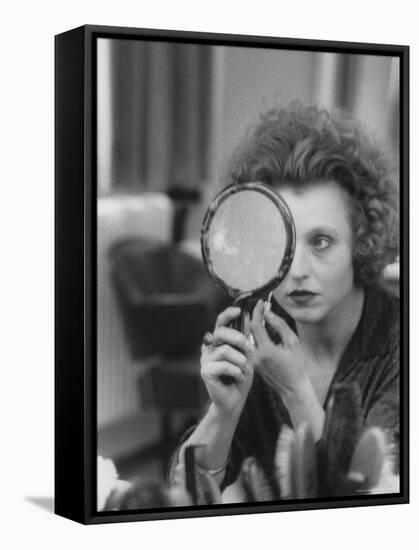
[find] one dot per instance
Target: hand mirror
(248, 241)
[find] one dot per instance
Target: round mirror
(248, 239)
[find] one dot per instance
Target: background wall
(253, 79)
(26, 404)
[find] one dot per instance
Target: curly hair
(299, 146)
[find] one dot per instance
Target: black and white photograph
(209, 320)
(209, 259)
(250, 282)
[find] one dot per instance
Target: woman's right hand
(227, 356)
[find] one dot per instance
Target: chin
(309, 315)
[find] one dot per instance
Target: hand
(282, 366)
(228, 355)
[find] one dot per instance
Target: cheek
(337, 270)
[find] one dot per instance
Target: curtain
(154, 115)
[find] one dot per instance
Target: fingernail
(250, 343)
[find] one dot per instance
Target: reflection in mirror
(248, 238)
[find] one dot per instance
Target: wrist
(224, 417)
(297, 393)
(304, 407)
(213, 438)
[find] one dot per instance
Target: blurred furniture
(167, 302)
(119, 217)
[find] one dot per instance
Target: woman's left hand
(282, 366)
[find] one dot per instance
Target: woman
(341, 326)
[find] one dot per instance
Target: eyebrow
(323, 229)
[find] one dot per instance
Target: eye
(321, 242)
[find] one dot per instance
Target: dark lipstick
(301, 296)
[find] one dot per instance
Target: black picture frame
(76, 271)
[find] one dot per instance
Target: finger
(259, 332)
(282, 328)
(227, 316)
(227, 353)
(210, 371)
(232, 337)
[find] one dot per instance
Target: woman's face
(321, 278)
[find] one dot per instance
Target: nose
(300, 267)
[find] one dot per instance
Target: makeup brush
(255, 482)
(369, 458)
(283, 464)
(190, 472)
(341, 433)
(304, 463)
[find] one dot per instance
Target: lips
(301, 296)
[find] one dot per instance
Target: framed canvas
(232, 287)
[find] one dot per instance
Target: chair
(168, 302)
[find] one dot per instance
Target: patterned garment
(371, 360)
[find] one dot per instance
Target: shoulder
(382, 321)
(378, 347)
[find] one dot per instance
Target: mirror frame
(285, 212)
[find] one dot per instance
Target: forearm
(215, 433)
(303, 406)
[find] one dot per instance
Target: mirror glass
(248, 237)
